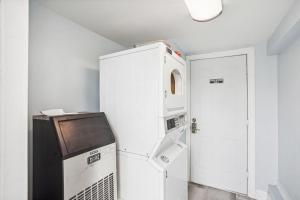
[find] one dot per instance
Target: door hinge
(166, 174)
(165, 59)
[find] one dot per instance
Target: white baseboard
(261, 195)
(283, 191)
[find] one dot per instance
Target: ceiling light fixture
(204, 10)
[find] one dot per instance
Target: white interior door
(219, 105)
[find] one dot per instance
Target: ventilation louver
(103, 190)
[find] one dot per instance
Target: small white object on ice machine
(74, 158)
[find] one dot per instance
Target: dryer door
(175, 86)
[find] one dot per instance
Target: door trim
(250, 56)
(14, 99)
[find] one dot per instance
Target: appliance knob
(164, 159)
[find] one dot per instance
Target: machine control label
(169, 51)
(94, 158)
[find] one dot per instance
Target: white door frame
(13, 99)
(250, 56)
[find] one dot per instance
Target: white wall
(63, 63)
(266, 119)
(289, 120)
(13, 99)
(287, 31)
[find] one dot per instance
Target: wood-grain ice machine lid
(81, 133)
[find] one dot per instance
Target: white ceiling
(243, 22)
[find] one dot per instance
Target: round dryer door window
(176, 82)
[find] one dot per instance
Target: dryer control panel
(175, 122)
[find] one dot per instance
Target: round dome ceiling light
(204, 10)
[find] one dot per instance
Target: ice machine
(74, 158)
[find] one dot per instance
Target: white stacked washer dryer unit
(143, 93)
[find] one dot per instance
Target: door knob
(194, 126)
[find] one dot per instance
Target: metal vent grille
(111, 186)
(102, 190)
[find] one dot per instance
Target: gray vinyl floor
(197, 192)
